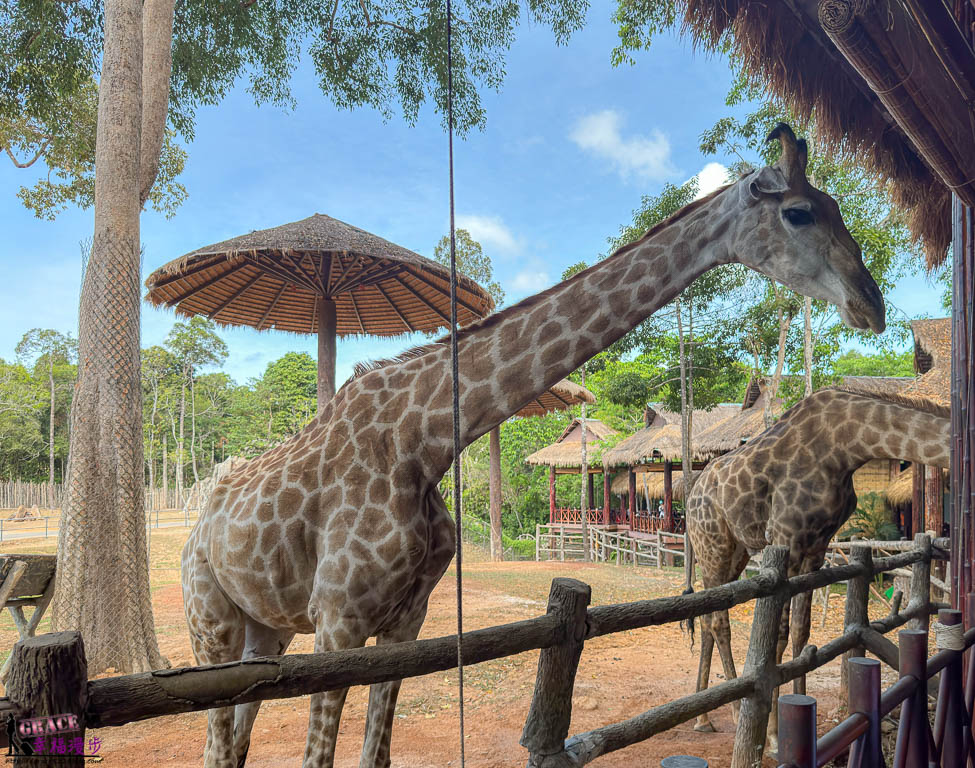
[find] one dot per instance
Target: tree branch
(27, 164)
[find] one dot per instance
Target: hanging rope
(455, 377)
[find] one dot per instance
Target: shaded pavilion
(316, 276)
(891, 84)
(656, 449)
(563, 457)
(560, 397)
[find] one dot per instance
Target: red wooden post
(949, 721)
(631, 488)
(917, 499)
(590, 480)
(605, 497)
(668, 496)
(913, 645)
(864, 682)
(551, 495)
(933, 500)
(797, 731)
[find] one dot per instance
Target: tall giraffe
(341, 531)
(793, 486)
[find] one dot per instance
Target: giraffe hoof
(705, 727)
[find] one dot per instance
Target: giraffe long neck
(877, 429)
(517, 354)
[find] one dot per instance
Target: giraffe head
(794, 233)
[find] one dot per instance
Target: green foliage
(471, 261)
(871, 520)
(377, 54)
(882, 363)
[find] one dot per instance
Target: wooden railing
(560, 634)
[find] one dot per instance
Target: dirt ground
(619, 676)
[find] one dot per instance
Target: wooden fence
(564, 542)
(20, 493)
(560, 635)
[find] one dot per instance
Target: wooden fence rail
(560, 633)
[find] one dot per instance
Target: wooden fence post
(760, 666)
(865, 698)
(920, 592)
(797, 731)
(547, 725)
(48, 676)
(949, 718)
(857, 612)
(912, 736)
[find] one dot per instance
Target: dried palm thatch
(876, 385)
(663, 441)
(744, 425)
(566, 452)
(271, 279)
(932, 359)
(901, 489)
(560, 396)
(650, 484)
(783, 45)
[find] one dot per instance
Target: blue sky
(570, 146)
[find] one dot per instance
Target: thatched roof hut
(898, 107)
(650, 484)
(749, 421)
(566, 452)
(560, 396)
(662, 439)
(932, 359)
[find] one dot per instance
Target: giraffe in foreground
(793, 486)
(341, 531)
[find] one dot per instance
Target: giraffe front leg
(332, 633)
(703, 723)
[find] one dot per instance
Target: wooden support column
(590, 484)
(668, 496)
(49, 676)
(917, 499)
(631, 490)
(494, 493)
(933, 500)
(551, 495)
(327, 328)
(605, 497)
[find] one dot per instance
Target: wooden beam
(271, 306)
(464, 304)
(337, 285)
(355, 309)
(229, 300)
(205, 284)
(395, 309)
(268, 264)
(419, 296)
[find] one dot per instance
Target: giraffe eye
(797, 217)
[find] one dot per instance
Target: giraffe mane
(907, 399)
(361, 369)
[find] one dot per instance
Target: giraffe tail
(688, 624)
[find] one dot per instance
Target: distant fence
(43, 527)
(21, 493)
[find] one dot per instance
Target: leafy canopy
(471, 261)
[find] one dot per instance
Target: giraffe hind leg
(259, 640)
(703, 723)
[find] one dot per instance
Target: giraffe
(793, 485)
(341, 531)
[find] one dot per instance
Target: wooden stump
(49, 676)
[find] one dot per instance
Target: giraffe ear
(765, 181)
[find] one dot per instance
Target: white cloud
(647, 157)
(488, 230)
(530, 281)
(709, 178)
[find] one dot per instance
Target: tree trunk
(102, 587)
(196, 474)
(165, 471)
(807, 346)
(686, 404)
(785, 320)
(494, 493)
(50, 455)
(584, 476)
(180, 441)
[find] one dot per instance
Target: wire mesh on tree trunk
(102, 586)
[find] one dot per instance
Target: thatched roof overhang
(272, 278)
(877, 385)
(888, 83)
(661, 443)
(746, 424)
(901, 489)
(566, 452)
(932, 359)
(558, 397)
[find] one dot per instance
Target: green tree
(288, 392)
(21, 401)
(193, 345)
(471, 261)
(52, 353)
(881, 363)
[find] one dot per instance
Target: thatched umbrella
(316, 276)
(559, 397)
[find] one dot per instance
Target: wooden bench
(25, 580)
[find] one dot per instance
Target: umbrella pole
(327, 329)
(494, 493)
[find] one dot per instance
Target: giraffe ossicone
(341, 531)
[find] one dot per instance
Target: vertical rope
(455, 378)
